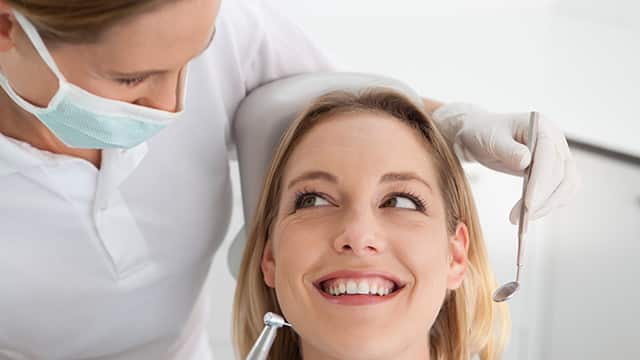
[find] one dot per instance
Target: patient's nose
(360, 236)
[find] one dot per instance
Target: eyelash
(301, 194)
(420, 203)
(132, 81)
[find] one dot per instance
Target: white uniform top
(110, 264)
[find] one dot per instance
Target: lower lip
(358, 299)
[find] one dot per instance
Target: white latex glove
(498, 141)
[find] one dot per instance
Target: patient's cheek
(308, 228)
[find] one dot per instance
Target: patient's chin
(365, 332)
(358, 341)
(351, 347)
(358, 326)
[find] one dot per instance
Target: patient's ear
(269, 265)
(458, 260)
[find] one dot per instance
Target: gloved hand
(498, 141)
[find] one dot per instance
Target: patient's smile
(357, 288)
(374, 286)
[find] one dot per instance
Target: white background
(576, 61)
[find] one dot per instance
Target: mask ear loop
(39, 45)
(181, 89)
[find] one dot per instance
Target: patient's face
(359, 254)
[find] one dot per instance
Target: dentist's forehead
(145, 42)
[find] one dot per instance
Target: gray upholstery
(267, 112)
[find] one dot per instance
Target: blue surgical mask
(83, 120)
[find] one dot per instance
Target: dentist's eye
(132, 81)
(308, 200)
(404, 201)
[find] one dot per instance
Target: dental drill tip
(274, 320)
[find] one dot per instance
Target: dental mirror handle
(524, 210)
(260, 350)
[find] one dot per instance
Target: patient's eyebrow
(403, 176)
(313, 175)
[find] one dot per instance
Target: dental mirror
(506, 291)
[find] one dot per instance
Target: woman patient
(366, 239)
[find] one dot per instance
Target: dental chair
(265, 114)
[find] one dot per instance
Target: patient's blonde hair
(469, 323)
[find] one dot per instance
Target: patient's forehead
(370, 142)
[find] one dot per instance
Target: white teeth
(352, 288)
(373, 289)
(363, 287)
(358, 287)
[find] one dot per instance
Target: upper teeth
(373, 286)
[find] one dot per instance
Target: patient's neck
(417, 350)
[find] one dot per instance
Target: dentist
(114, 184)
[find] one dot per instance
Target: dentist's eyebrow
(146, 73)
(404, 176)
(313, 175)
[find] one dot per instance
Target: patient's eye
(307, 200)
(404, 201)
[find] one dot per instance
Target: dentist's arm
(498, 141)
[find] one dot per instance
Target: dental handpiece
(260, 349)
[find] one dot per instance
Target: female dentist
(114, 184)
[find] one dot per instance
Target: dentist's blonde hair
(469, 323)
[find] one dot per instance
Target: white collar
(17, 156)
